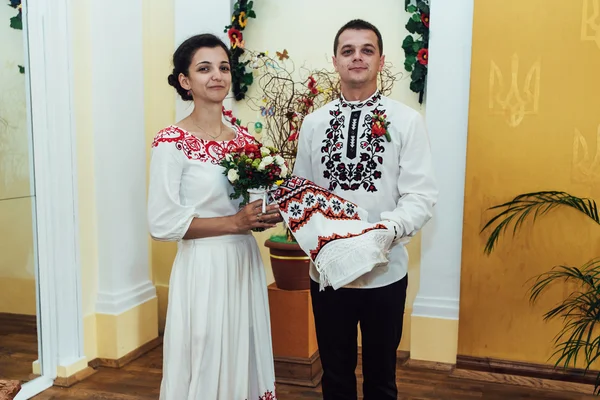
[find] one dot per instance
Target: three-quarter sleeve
(168, 219)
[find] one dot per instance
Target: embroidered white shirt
(392, 181)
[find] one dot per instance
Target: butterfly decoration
(282, 56)
(267, 111)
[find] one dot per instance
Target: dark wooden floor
(140, 379)
(18, 346)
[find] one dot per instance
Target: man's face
(358, 59)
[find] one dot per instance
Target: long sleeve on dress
(416, 182)
(168, 219)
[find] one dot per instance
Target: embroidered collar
(371, 101)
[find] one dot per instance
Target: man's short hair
(358, 24)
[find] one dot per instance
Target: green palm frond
(580, 312)
(534, 204)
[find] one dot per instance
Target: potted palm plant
(579, 338)
(286, 96)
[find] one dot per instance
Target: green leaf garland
(16, 22)
(241, 79)
(416, 45)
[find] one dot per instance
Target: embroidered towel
(333, 232)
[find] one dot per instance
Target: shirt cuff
(399, 236)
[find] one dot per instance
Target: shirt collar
(371, 101)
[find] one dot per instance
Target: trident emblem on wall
(510, 100)
(585, 170)
(590, 21)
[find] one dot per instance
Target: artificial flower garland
(417, 50)
(240, 78)
(16, 22)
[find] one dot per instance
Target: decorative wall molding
(119, 302)
(436, 307)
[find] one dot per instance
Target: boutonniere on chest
(379, 125)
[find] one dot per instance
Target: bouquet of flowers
(254, 169)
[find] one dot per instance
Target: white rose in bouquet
(232, 175)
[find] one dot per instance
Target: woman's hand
(251, 217)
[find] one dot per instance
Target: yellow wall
(543, 51)
(306, 47)
(88, 240)
(159, 107)
(82, 63)
(17, 284)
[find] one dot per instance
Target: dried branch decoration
(285, 96)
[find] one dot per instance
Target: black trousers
(380, 312)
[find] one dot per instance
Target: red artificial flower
(378, 129)
(293, 136)
(425, 19)
(312, 85)
(235, 36)
(423, 56)
(307, 102)
(379, 125)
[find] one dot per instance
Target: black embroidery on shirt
(332, 144)
(352, 175)
(353, 135)
(371, 101)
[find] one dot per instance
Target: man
(344, 147)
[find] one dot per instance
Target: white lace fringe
(343, 260)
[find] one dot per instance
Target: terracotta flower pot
(290, 265)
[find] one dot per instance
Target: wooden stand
(295, 349)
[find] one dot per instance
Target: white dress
(217, 343)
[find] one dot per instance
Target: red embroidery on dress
(167, 135)
(323, 240)
(199, 149)
(268, 395)
(301, 199)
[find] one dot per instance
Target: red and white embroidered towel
(332, 231)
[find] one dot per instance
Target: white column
(50, 70)
(447, 106)
(193, 17)
(119, 155)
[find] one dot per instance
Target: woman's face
(209, 75)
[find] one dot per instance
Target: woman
(217, 343)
